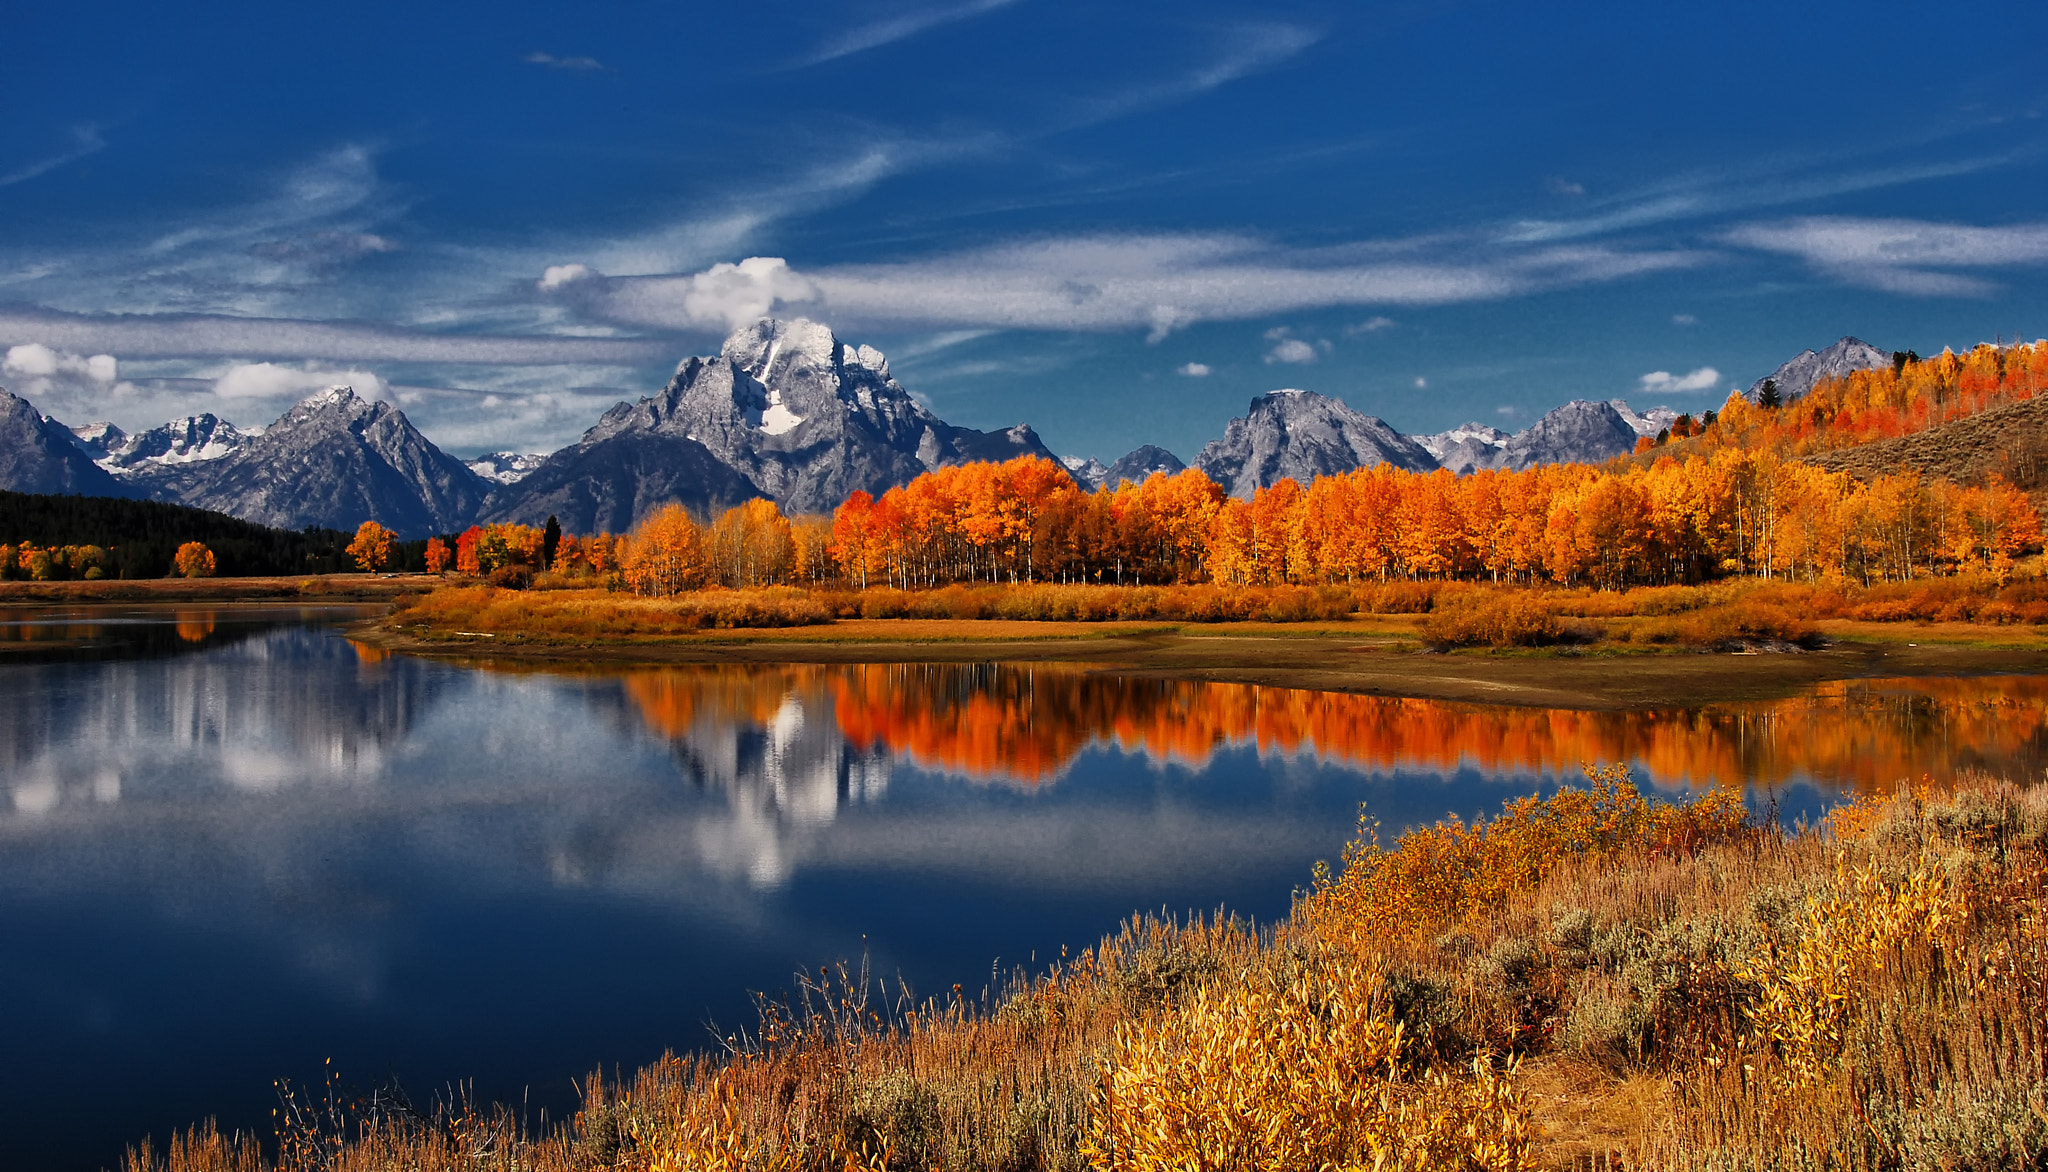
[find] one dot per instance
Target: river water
(234, 844)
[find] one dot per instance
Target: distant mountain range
(785, 410)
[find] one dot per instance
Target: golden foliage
(194, 560)
(1305, 1073)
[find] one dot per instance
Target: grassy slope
(1589, 975)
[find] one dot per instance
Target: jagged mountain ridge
(1135, 466)
(1301, 435)
(784, 410)
(40, 455)
(506, 467)
(796, 415)
(1809, 368)
(334, 460)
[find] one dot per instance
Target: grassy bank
(1596, 974)
(314, 588)
(1728, 616)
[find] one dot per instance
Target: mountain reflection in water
(234, 846)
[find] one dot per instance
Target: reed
(1597, 978)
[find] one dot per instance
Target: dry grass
(601, 614)
(1596, 976)
(1724, 616)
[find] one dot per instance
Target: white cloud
(1559, 185)
(896, 28)
(1706, 378)
(269, 380)
(35, 360)
(1684, 319)
(61, 382)
(1898, 255)
(1292, 350)
(1371, 325)
(1288, 348)
(735, 294)
(1421, 383)
(556, 276)
(1193, 369)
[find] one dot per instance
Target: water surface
(236, 844)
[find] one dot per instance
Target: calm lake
(234, 845)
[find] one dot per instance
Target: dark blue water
(229, 855)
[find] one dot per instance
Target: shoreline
(1368, 656)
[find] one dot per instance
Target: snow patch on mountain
(506, 467)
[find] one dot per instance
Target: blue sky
(1117, 223)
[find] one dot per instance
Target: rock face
(506, 467)
(1580, 432)
(1467, 447)
(147, 455)
(1303, 435)
(1140, 463)
(41, 455)
(1808, 369)
(789, 410)
(333, 460)
(612, 479)
(1647, 423)
(1087, 471)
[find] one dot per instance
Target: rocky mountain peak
(1809, 368)
(1580, 432)
(335, 405)
(1301, 434)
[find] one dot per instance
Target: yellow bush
(1474, 618)
(1807, 989)
(1306, 1075)
(1437, 875)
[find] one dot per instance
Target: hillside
(2009, 441)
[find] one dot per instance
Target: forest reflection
(1026, 725)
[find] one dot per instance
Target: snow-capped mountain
(1087, 471)
(1647, 423)
(1300, 434)
(38, 454)
(789, 410)
(1807, 369)
(142, 456)
(336, 460)
(1467, 447)
(506, 467)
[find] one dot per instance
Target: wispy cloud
(1898, 255)
(190, 335)
(85, 141)
(1707, 195)
(584, 64)
(1155, 282)
(902, 26)
(1244, 50)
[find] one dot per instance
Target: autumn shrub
(1478, 618)
(1731, 626)
(1439, 876)
(600, 614)
(1304, 1072)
